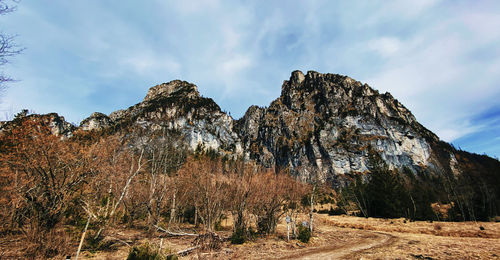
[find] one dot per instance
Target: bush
(210, 241)
(336, 211)
(267, 224)
(42, 244)
(238, 237)
(148, 252)
(304, 234)
(323, 211)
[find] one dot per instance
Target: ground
(337, 237)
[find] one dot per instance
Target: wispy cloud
(440, 58)
(385, 46)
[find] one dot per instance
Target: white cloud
(146, 64)
(440, 59)
(234, 65)
(385, 46)
(484, 24)
(450, 129)
(410, 8)
(192, 6)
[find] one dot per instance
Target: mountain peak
(297, 77)
(166, 89)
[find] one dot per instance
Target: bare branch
(174, 233)
(187, 251)
(133, 174)
(8, 48)
(5, 8)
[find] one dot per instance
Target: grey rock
(326, 124)
(96, 121)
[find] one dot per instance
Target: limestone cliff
(327, 123)
(322, 125)
(176, 106)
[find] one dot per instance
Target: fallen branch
(119, 240)
(187, 251)
(174, 233)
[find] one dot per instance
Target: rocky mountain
(322, 125)
(176, 106)
(327, 123)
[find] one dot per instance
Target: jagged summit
(162, 103)
(328, 123)
(166, 89)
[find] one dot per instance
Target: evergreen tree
(386, 193)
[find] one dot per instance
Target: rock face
(57, 124)
(322, 125)
(327, 123)
(96, 121)
(177, 106)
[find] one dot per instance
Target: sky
(441, 59)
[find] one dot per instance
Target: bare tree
(272, 194)
(8, 48)
(242, 194)
(295, 191)
(41, 178)
(165, 154)
(316, 179)
(107, 194)
(208, 188)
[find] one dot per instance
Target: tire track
(373, 240)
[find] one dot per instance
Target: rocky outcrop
(324, 124)
(177, 106)
(96, 121)
(327, 124)
(57, 124)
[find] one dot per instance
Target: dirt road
(369, 241)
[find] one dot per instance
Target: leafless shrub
(40, 243)
(209, 241)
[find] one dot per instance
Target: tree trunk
(172, 208)
(312, 209)
(195, 216)
(124, 191)
(82, 238)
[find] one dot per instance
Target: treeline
(423, 196)
(51, 189)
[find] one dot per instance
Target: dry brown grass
(420, 239)
(449, 229)
(335, 234)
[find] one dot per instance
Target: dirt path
(371, 240)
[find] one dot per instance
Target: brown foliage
(273, 192)
(47, 183)
(46, 243)
(207, 188)
(44, 172)
(41, 176)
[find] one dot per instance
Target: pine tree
(386, 193)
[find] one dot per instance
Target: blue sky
(441, 59)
